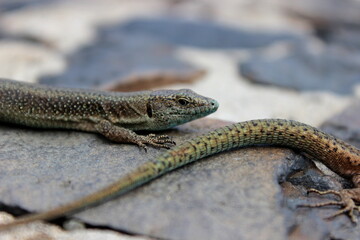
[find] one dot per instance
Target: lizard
(115, 115)
(339, 156)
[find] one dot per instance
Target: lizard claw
(346, 201)
(161, 141)
(120, 134)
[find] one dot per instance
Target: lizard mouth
(204, 110)
(197, 112)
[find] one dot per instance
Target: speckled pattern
(339, 156)
(342, 158)
(113, 114)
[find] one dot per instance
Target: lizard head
(169, 108)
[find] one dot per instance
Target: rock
(326, 12)
(47, 231)
(345, 36)
(231, 195)
(149, 45)
(305, 67)
(258, 15)
(334, 21)
(46, 22)
(115, 55)
(16, 5)
(152, 81)
(201, 34)
(249, 193)
(346, 124)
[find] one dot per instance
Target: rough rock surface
(225, 196)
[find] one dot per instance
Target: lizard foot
(161, 141)
(123, 135)
(346, 201)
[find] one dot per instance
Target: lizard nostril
(214, 104)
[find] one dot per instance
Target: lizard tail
(130, 181)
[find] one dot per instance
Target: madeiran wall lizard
(113, 114)
(339, 156)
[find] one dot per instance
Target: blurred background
(294, 59)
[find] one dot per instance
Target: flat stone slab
(141, 46)
(243, 194)
(201, 34)
(115, 55)
(305, 67)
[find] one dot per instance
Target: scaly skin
(339, 156)
(112, 114)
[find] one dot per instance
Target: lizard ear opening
(149, 110)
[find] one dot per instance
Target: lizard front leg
(123, 135)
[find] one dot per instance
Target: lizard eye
(183, 102)
(149, 110)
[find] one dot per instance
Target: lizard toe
(141, 145)
(346, 201)
(161, 141)
(348, 207)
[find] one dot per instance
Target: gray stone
(149, 45)
(326, 12)
(334, 21)
(202, 34)
(41, 231)
(250, 193)
(328, 68)
(346, 124)
(345, 36)
(234, 195)
(6, 6)
(114, 56)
